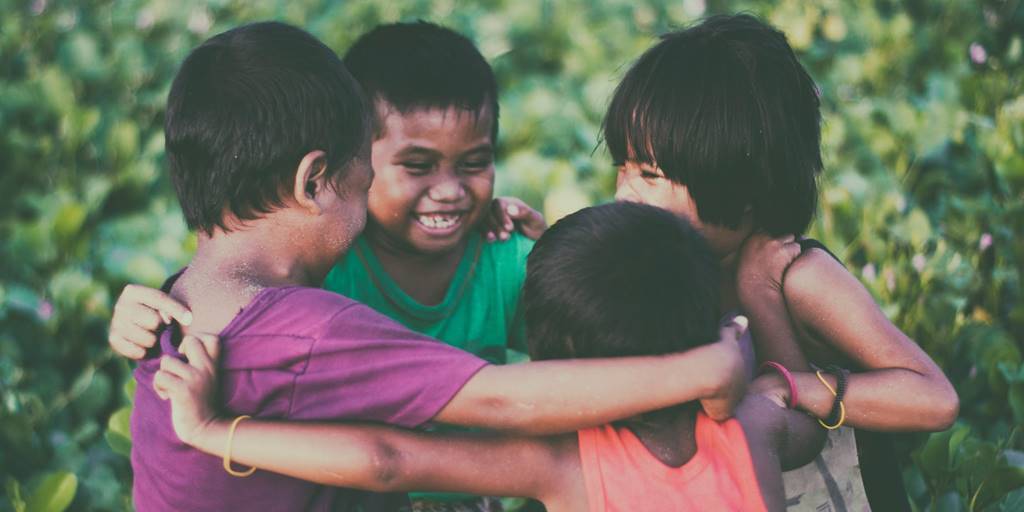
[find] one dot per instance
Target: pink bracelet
(789, 380)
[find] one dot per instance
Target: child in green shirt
(424, 258)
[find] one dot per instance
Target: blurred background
(922, 195)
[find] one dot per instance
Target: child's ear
(309, 181)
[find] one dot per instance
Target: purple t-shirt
(302, 354)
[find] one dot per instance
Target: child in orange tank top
(616, 280)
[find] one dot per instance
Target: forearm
(775, 337)
(387, 459)
(349, 456)
(562, 396)
(892, 399)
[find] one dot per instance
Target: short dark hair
(726, 109)
(245, 107)
(421, 65)
(621, 279)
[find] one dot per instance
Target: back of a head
(244, 109)
(725, 108)
(421, 65)
(621, 279)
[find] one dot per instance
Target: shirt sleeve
(368, 367)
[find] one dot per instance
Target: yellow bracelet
(227, 451)
(842, 407)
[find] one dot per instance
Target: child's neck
(424, 277)
(728, 295)
(669, 434)
(229, 270)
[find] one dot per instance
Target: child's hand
(509, 212)
(190, 386)
(734, 360)
(138, 313)
(763, 261)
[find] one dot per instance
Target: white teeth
(438, 220)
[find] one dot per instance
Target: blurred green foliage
(923, 193)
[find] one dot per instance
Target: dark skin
(386, 459)
(821, 313)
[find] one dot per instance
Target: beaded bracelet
(841, 375)
(842, 407)
(227, 451)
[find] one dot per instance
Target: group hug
(339, 339)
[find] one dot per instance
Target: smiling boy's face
(434, 177)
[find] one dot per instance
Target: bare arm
(384, 459)
(763, 264)
(560, 396)
(371, 457)
(779, 439)
(901, 388)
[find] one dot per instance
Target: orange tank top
(621, 475)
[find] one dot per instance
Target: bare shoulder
(813, 273)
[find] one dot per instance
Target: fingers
(498, 225)
(125, 348)
(166, 383)
(138, 314)
(197, 354)
(740, 323)
(212, 344)
(734, 330)
(157, 300)
(176, 367)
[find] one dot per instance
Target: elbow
(946, 409)
(384, 470)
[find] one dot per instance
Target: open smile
(440, 223)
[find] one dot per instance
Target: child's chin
(439, 245)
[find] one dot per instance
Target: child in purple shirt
(267, 139)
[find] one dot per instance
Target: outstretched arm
(899, 387)
(562, 396)
(370, 457)
(548, 397)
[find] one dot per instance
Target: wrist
(210, 437)
(814, 397)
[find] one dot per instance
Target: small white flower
(918, 262)
(869, 272)
(985, 241)
(200, 21)
(978, 53)
(890, 279)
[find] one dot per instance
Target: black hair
(621, 279)
(245, 107)
(419, 65)
(726, 109)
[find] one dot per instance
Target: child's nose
(447, 190)
(624, 192)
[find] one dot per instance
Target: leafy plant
(923, 192)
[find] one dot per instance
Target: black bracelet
(840, 373)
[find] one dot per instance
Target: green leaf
(129, 388)
(54, 493)
(14, 495)
(118, 434)
(1012, 502)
